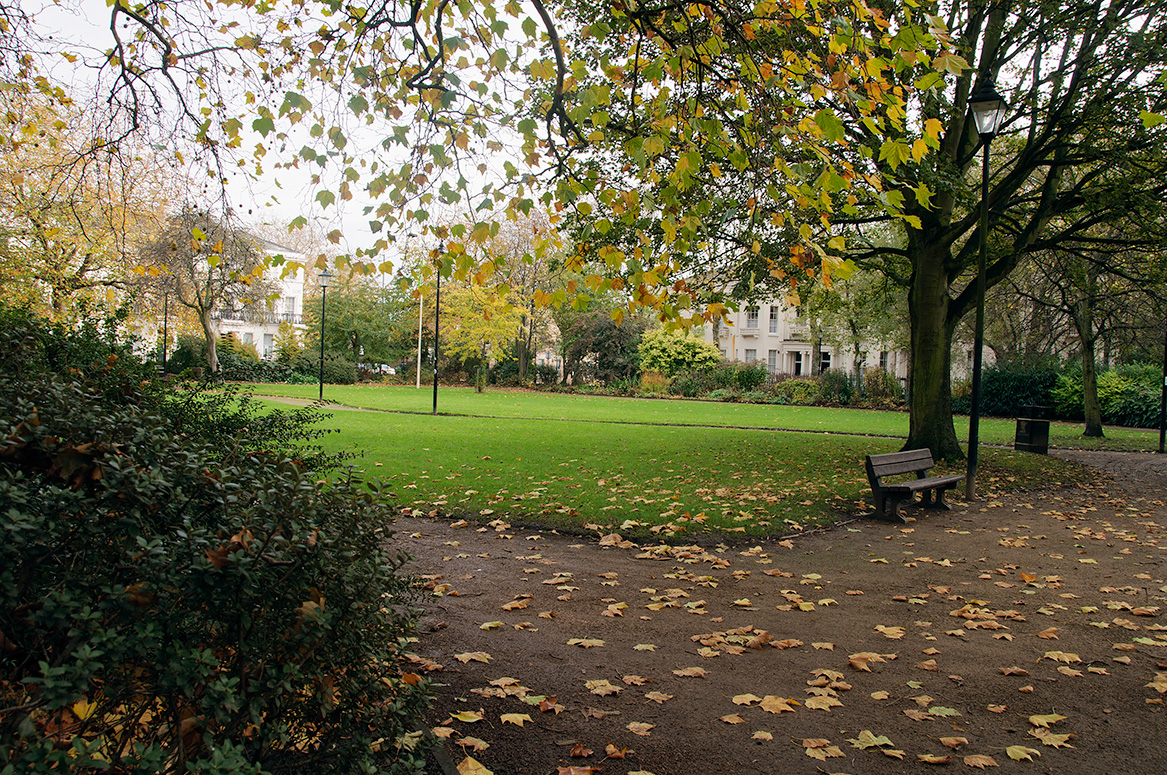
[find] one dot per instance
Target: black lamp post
(324, 278)
(988, 110)
(165, 324)
(437, 321)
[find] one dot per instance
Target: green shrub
(546, 374)
(880, 385)
(672, 352)
(799, 391)
(687, 384)
(724, 394)
(191, 353)
(173, 603)
(835, 387)
(1007, 388)
(760, 397)
(749, 376)
(338, 370)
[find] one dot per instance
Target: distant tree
(478, 323)
(857, 311)
(367, 320)
(594, 346)
(204, 265)
(67, 220)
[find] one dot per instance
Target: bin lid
(1035, 412)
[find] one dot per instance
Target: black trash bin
(1033, 429)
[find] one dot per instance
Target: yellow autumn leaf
(469, 716)
(1021, 753)
(518, 719)
(471, 766)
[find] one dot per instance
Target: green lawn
(639, 466)
(558, 406)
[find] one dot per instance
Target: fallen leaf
(490, 625)
(640, 728)
(473, 656)
(1021, 753)
(603, 687)
(1014, 671)
(762, 734)
(644, 647)
(772, 703)
(690, 672)
(471, 766)
(1050, 633)
(823, 703)
(868, 739)
(580, 751)
(1062, 656)
(658, 697)
(469, 716)
(518, 719)
(733, 718)
(880, 695)
(894, 633)
(980, 761)
(586, 643)
(928, 758)
(612, 752)
(953, 742)
(746, 699)
(1046, 720)
(473, 743)
(573, 770)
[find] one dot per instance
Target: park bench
(913, 461)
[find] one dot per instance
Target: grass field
(559, 406)
(640, 466)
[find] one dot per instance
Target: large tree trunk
(210, 335)
(1091, 408)
(931, 363)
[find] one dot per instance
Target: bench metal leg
(934, 499)
(893, 510)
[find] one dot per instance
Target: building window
(268, 341)
(773, 319)
(772, 362)
(247, 338)
(883, 359)
(798, 364)
(751, 356)
(824, 361)
(752, 317)
(290, 305)
(722, 351)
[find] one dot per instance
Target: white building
(259, 323)
(772, 333)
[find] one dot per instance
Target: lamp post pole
(988, 109)
(165, 331)
(420, 320)
(324, 278)
(437, 322)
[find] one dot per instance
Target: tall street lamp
(437, 321)
(325, 278)
(988, 110)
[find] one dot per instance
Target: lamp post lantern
(988, 110)
(324, 278)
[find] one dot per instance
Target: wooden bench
(913, 461)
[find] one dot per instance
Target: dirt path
(907, 639)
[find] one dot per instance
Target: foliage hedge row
(179, 591)
(239, 363)
(1129, 395)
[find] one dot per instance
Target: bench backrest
(915, 461)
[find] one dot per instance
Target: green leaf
(264, 125)
(325, 198)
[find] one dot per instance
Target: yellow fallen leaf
(746, 699)
(762, 734)
(473, 656)
(640, 728)
(823, 703)
(772, 703)
(1021, 753)
(980, 761)
(1062, 656)
(490, 625)
(518, 719)
(689, 672)
(1046, 720)
(471, 766)
(469, 716)
(474, 744)
(658, 697)
(953, 742)
(928, 758)
(733, 718)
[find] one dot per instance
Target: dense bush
(546, 374)
(338, 370)
(1005, 389)
(191, 353)
(687, 384)
(835, 387)
(188, 602)
(799, 391)
(1128, 396)
(880, 385)
(672, 352)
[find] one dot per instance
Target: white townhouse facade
(259, 323)
(772, 333)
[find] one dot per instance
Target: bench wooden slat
(913, 461)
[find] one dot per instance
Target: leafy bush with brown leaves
(172, 605)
